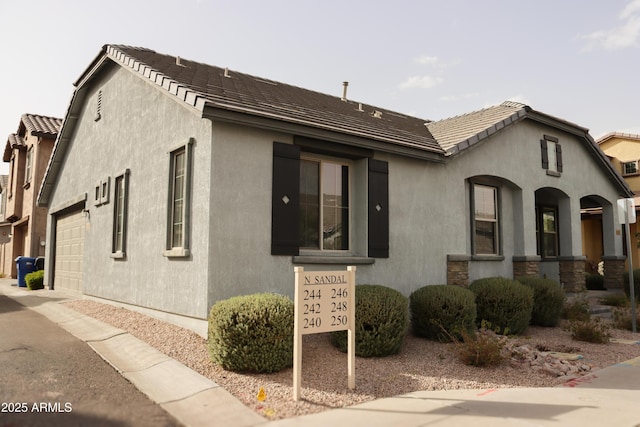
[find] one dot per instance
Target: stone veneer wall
(614, 268)
(526, 267)
(572, 273)
(458, 270)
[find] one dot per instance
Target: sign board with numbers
(324, 302)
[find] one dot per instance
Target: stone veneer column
(614, 268)
(526, 266)
(458, 270)
(572, 273)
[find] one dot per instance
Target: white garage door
(69, 249)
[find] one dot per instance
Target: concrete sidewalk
(606, 397)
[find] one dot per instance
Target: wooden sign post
(324, 302)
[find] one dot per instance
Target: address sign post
(324, 302)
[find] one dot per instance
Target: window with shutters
(551, 153)
(323, 203)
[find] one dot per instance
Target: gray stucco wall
(231, 198)
(138, 128)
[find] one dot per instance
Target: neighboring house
(5, 229)
(623, 150)
(27, 151)
(174, 184)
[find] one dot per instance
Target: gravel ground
(421, 365)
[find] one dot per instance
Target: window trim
(320, 158)
(172, 250)
(556, 170)
(28, 168)
(624, 168)
(498, 220)
(120, 253)
(540, 233)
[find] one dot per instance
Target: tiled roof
(41, 125)
(15, 141)
(621, 135)
(457, 133)
(201, 84)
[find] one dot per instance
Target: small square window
(630, 168)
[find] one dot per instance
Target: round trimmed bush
(504, 303)
(548, 300)
(382, 319)
(442, 312)
(252, 333)
(34, 280)
(594, 282)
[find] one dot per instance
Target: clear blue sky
(574, 59)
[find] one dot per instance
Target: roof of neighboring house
(220, 93)
(620, 135)
(34, 124)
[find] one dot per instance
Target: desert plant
(439, 312)
(548, 300)
(592, 330)
(614, 300)
(35, 280)
(252, 333)
(636, 283)
(382, 319)
(504, 303)
(483, 348)
(622, 318)
(577, 308)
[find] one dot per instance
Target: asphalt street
(48, 377)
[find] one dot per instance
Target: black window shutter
(378, 209)
(285, 198)
(545, 155)
(559, 157)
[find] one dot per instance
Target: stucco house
(5, 229)
(174, 184)
(27, 151)
(623, 150)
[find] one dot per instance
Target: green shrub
(382, 319)
(592, 330)
(636, 283)
(252, 333)
(483, 348)
(594, 282)
(440, 312)
(35, 280)
(504, 303)
(548, 300)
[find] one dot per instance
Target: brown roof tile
(195, 82)
(41, 125)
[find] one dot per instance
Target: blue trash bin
(25, 266)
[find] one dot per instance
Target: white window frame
(120, 213)
(635, 168)
(495, 220)
(341, 162)
(181, 248)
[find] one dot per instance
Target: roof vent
(377, 114)
(360, 107)
(226, 73)
(179, 62)
(344, 90)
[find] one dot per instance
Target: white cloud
(624, 35)
(421, 82)
(427, 60)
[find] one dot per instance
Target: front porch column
(572, 273)
(526, 266)
(614, 268)
(458, 270)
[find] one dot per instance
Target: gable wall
(139, 126)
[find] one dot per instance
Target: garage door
(69, 249)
